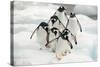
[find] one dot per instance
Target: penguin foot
(59, 57)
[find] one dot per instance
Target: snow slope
(26, 50)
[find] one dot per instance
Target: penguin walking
(63, 45)
(73, 25)
(62, 15)
(55, 22)
(53, 33)
(42, 34)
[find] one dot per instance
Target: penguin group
(56, 33)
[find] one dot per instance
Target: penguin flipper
(51, 41)
(66, 16)
(70, 44)
(33, 33)
(79, 24)
(67, 23)
(74, 38)
(61, 23)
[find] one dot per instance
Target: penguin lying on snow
(55, 22)
(53, 33)
(63, 45)
(42, 33)
(73, 25)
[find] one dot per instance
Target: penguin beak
(46, 29)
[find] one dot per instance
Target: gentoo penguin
(73, 25)
(42, 33)
(62, 15)
(55, 22)
(53, 33)
(63, 45)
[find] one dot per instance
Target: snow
(27, 51)
(33, 12)
(28, 15)
(87, 10)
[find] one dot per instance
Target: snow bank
(26, 50)
(86, 10)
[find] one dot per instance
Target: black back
(61, 9)
(44, 25)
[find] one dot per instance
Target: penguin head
(72, 14)
(54, 19)
(55, 30)
(61, 9)
(44, 25)
(65, 33)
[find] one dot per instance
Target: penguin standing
(73, 25)
(53, 33)
(42, 34)
(63, 46)
(62, 15)
(55, 22)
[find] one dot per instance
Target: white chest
(73, 25)
(62, 17)
(41, 35)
